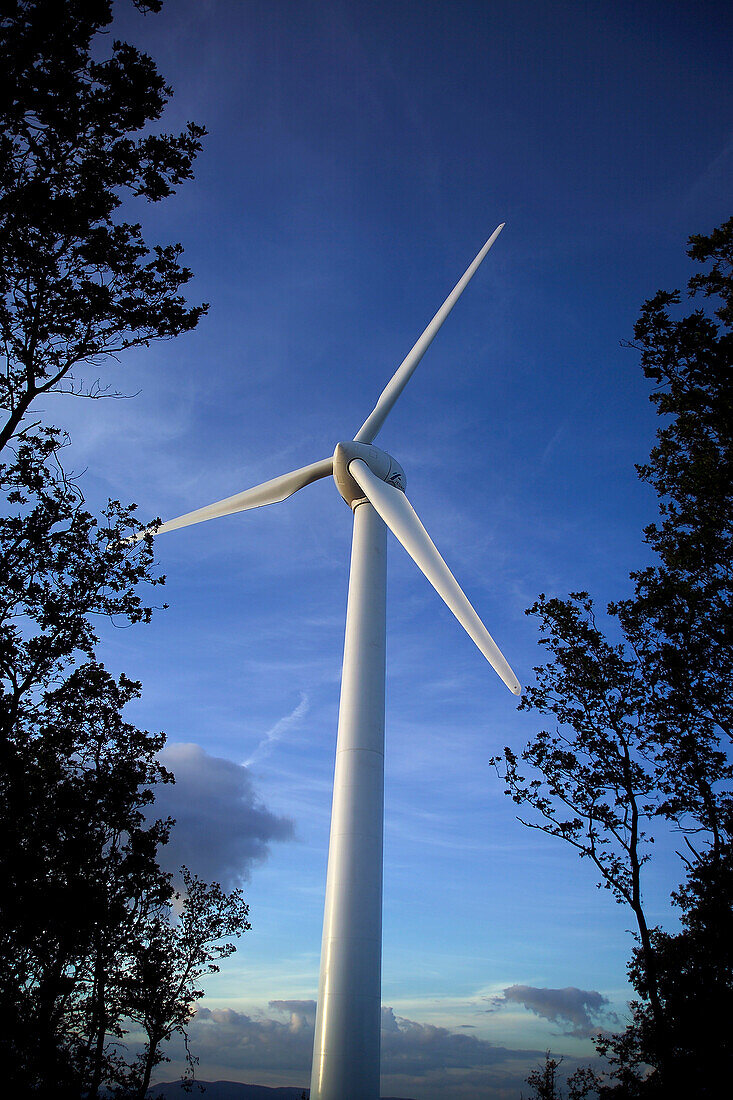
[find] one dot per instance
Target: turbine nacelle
(381, 464)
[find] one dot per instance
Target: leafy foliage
(164, 977)
(91, 943)
(76, 284)
(644, 724)
(543, 1081)
(595, 779)
(682, 608)
(598, 786)
(94, 941)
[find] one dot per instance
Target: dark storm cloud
(221, 828)
(574, 1010)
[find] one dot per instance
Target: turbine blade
(373, 423)
(402, 520)
(270, 492)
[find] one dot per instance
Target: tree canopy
(78, 283)
(642, 712)
(100, 958)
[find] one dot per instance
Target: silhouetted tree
(86, 909)
(594, 783)
(77, 284)
(644, 723)
(89, 936)
(74, 775)
(164, 976)
(543, 1081)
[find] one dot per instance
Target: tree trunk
(99, 1021)
(154, 1040)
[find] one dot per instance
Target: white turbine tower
(346, 1046)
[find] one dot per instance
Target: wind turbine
(347, 1036)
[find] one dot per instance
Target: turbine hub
(379, 462)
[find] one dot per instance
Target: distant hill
(229, 1090)
(223, 1090)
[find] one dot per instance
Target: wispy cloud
(280, 728)
(714, 180)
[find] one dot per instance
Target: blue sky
(359, 154)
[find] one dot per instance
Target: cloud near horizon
(222, 828)
(574, 1010)
(416, 1058)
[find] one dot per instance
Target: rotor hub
(381, 464)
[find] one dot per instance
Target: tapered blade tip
(516, 689)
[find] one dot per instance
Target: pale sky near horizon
(358, 156)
